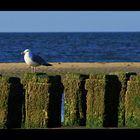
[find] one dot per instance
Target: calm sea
(72, 47)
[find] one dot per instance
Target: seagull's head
(26, 51)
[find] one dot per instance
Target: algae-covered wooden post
(42, 100)
(4, 92)
(106, 99)
(95, 86)
(132, 103)
(123, 77)
(74, 100)
(102, 100)
(10, 102)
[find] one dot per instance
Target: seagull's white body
(34, 60)
(28, 60)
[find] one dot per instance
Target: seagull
(34, 60)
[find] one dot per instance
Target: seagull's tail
(47, 64)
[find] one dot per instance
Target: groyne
(95, 100)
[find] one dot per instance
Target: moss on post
(123, 77)
(4, 93)
(10, 102)
(95, 100)
(25, 79)
(97, 76)
(132, 103)
(74, 100)
(106, 99)
(42, 101)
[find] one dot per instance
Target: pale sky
(69, 21)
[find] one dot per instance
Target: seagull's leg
(31, 69)
(34, 69)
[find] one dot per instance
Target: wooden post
(74, 100)
(42, 101)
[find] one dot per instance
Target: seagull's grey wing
(38, 59)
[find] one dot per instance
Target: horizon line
(67, 31)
